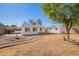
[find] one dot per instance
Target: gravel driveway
(6, 39)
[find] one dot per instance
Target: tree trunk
(68, 35)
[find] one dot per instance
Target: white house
(28, 28)
(55, 29)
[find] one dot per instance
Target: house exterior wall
(54, 30)
(43, 29)
(60, 29)
(33, 29)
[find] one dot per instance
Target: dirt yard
(47, 45)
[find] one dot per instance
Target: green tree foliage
(64, 13)
(10, 29)
(13, 26)
(7, 31)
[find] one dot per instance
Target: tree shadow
(74, 42)
(64, 38)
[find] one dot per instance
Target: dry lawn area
(47, 45)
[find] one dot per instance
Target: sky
(17, 13)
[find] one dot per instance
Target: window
(27, 29)
(56, 29)
(40, 29)
(34, 29)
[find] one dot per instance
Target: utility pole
(16, 32)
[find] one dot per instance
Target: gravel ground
(7, 39)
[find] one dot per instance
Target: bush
(7, 31)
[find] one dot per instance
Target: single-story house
(28, 29)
